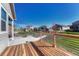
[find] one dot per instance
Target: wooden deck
(39, 48)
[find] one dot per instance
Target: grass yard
(70, 44)
(49, 41)
(74, 33)
(49, 38)
(25, 34)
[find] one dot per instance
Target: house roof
(76, 23)
(66, 25)
(12, 10)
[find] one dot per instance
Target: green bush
(68, 30)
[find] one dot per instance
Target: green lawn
(24, 33)
(74, 33)
(70, 44)
(50, 41)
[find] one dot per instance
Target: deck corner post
(54, 41)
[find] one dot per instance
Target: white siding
(4, 40)
(7, 7)
(65, 28)
(0, 16)
(3, 35)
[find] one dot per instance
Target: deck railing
(67, 42)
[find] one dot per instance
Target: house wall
(0, 16)
(7, 7)
(4, 39)
(65, 28)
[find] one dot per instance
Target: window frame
(7, 14)
(4, 20)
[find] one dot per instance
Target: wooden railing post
(54, 41)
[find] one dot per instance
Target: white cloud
(20, 25)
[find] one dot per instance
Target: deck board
(39, 48)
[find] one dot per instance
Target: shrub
(68, 30)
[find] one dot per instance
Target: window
(3, 20)
(3, 26)
(3, 14)
(10, 21)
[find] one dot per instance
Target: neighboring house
(28, 28)
(7, 17)
(75, 26)
(65, 27)
(50, 29)
(61, 28)
(57, 27)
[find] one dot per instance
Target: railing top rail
(67, 35)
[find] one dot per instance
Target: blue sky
(37, 14)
